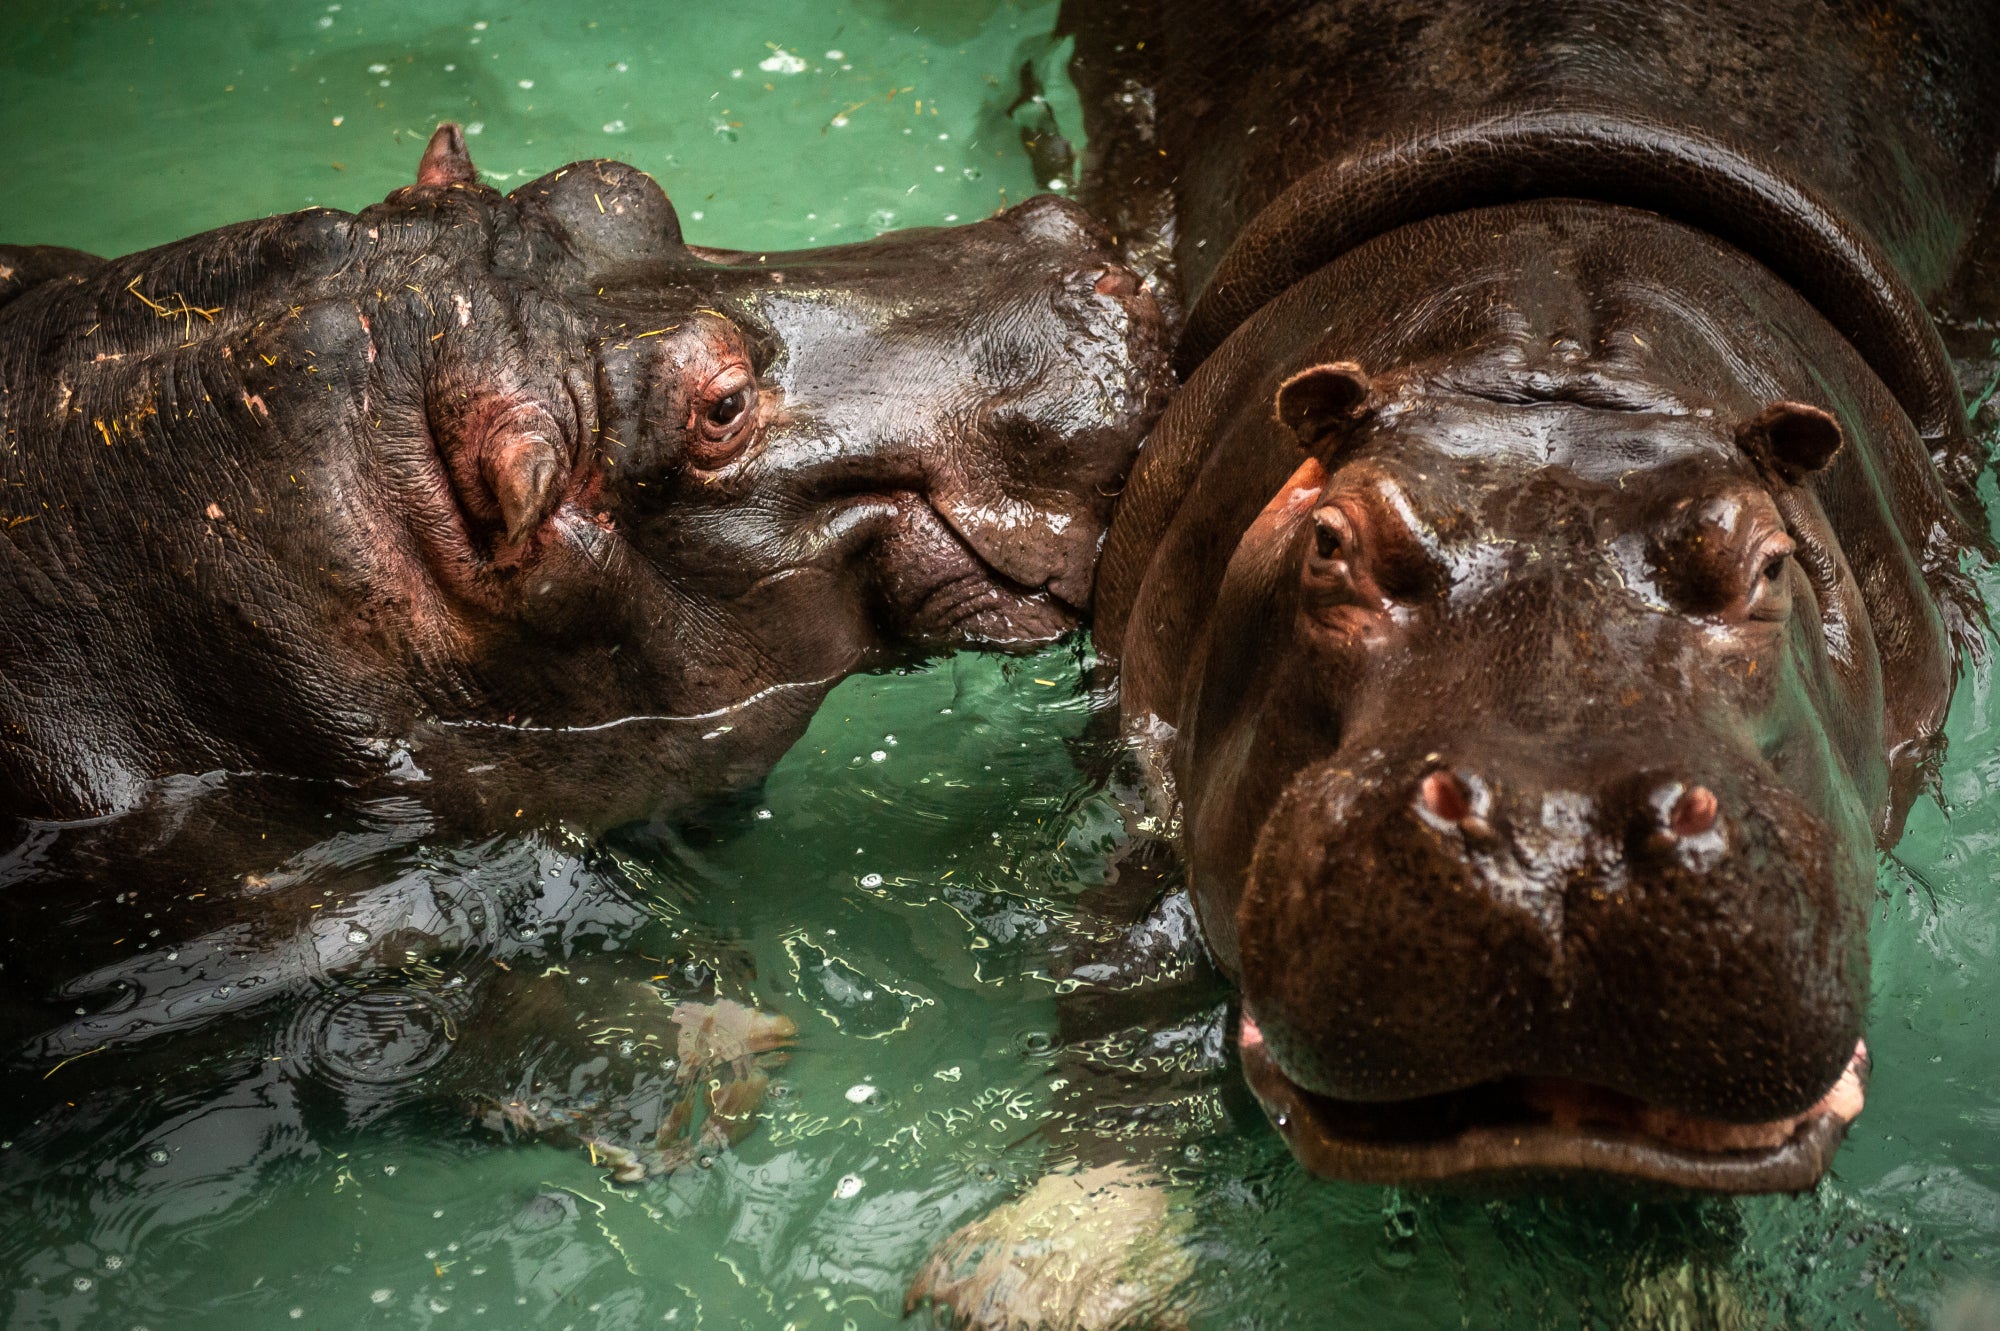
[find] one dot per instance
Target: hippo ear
(1790, 439)
(524, 471)
(446, 162)
(1321, 404)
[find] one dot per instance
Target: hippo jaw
(1540, 1126)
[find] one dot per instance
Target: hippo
(1543, 598)
(521, 506)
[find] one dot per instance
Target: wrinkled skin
(1543, 598)
(520, 505)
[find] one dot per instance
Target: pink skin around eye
(1296, 496)
(717, 442)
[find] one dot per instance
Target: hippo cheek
(1423, 999)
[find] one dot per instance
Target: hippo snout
(1682, 938)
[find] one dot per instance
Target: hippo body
(1544, 596)
(518, 505)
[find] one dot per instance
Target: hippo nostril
(1118, 282)
(1445, 794)
(1693, 813)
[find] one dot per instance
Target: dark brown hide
(522, 506)
(1544, 594)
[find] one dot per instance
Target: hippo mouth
(1541, 1126)
(947, 591)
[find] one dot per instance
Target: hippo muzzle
(1524, 960)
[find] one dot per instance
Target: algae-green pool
(902, 879)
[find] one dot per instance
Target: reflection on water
(276, 1061)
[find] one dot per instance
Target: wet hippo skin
(519, 506)
(1543, 598)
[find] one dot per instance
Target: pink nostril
(1119, 282)
(1445, 795)
(1693, 813)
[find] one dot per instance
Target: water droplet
(849, 1185)
(836, 55)
(525, 83)
(880, 755)
(860, 1094)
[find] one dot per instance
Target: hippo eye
(1328, 539)
(720, 416)
(1766, 597)
(727, 412)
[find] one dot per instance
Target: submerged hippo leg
(1091, 1251)
(586, 1054)
(1103, 1239)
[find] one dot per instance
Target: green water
(900, 883)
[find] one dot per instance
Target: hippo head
(915, 438)
(1513, 733)
(1543, 615)
(669, 495)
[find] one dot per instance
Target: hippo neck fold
(1691, 177)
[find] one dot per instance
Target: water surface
(901, 887)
